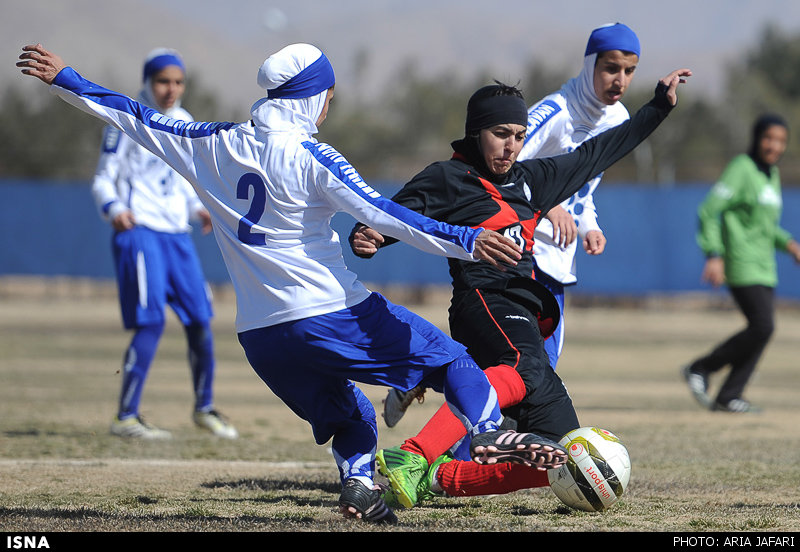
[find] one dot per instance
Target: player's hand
(205, 220)
(714, 271)
(123, 221)
(793, 248)
(496, 249)
(364, 241)
(565, 231)
(594, 243)
(672, 81)
(38, 62)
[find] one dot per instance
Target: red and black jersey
(457, 192)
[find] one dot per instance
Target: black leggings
(498, 330)
(742, 350)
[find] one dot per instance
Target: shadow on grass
(276, 485)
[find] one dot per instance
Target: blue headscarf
(613, 37)
(160, 58)
(586, 109)
(296, 79)
(317, 77)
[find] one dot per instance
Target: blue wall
(54, 230)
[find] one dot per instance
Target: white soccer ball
(596, 473)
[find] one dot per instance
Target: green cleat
(404, 470)
(391, 500)
(424, 490)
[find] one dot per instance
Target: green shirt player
(740, 234)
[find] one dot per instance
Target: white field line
(159, 462)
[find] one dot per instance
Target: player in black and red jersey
(501, 315)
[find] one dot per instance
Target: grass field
(60, 471)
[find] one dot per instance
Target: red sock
(444, 430)
(463, 478)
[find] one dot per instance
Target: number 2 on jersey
(257, 205)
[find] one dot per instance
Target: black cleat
(367, 503)
(499, 446)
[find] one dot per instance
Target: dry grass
(60, 471)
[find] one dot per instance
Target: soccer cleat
(500, 446)
(698, 385)
(735, 405)
(397, 402)
(368, 503)
(404, 470)
(424, 487)
(216, 423)
(136, 427)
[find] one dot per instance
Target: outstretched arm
(45, 66)
(561, 176)
(38, 62)
(490, 246)
(176, 142)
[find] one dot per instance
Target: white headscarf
(291, 114)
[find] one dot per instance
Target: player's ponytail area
(692, 470)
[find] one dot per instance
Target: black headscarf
(491, 105)
(759, 128)
(495, 104)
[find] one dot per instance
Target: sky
(370, 41)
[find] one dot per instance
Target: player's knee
(508, 384)
(761, 333)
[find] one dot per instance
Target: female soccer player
(502, 316)
(149, 206)
(584, 107)
(739, 234)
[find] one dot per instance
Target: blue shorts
(309, 363)
(155, 269)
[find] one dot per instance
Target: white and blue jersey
(155, 262)
(558, 124)
(271, 193)
(552, 130)
(130, 178)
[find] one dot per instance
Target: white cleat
(216, 423)
(136, 427)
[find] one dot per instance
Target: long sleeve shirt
(271, 193)
(739, 220)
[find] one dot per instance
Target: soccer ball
(596, 473)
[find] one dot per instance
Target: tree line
(414, 122)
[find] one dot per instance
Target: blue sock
(355, 445)
(471, 397)
(138, 358)
(201, 362)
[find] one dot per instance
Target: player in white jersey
(149, 207)
(584, 107)
(308, 327)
